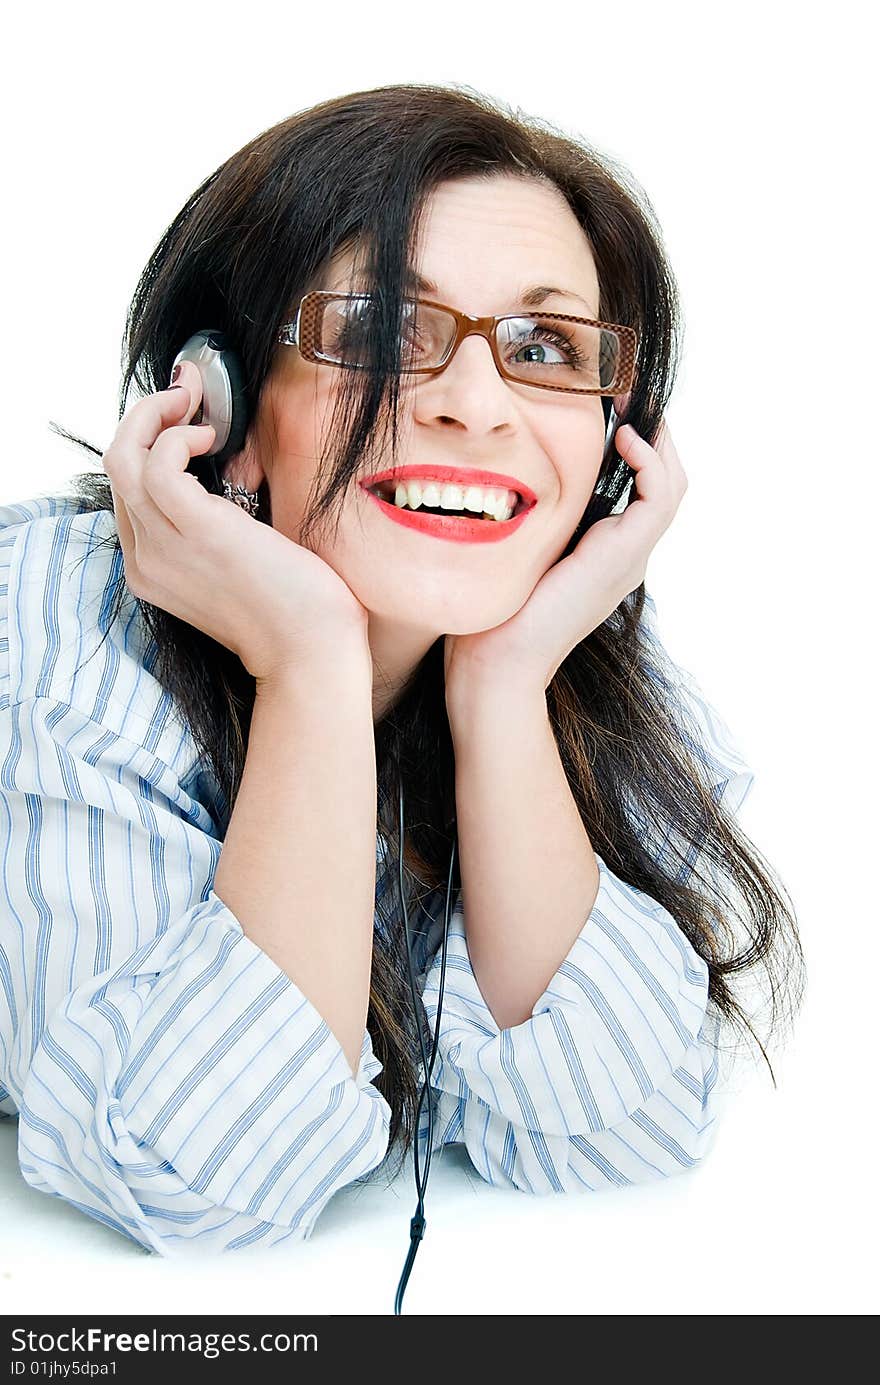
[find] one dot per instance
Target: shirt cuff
(617, 1018)
(195, 1098)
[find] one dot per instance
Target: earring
(248, 500)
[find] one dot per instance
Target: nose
(469, 390)
(474, 354)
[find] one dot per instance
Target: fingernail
(175, 374)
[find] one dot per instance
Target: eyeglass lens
(537, 349)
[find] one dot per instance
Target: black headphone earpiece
(224, 403)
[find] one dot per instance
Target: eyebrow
(531, 297)
(528, 297)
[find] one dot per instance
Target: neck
(397, 650)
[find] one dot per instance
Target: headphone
(224, 405)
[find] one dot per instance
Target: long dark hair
(252, 238)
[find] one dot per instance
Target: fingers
(666, 451)
(139, 430)
(147, 463)
(149, 417)
(651, 481)
(659, 477)
(638, 454)
(170, 493)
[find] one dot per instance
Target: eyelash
(536, 335)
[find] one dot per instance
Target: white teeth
(473, 499)
(493, 501)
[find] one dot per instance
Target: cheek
(298, 411)
(577, 461)
(300, 422)
(299, 399)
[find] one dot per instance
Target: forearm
(529, 875)
(298, 864)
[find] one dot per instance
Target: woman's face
(483, 243)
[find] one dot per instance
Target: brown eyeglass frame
(303, 333)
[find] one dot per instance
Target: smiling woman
(203, 1068)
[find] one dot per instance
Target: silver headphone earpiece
(223, 404)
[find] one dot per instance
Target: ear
(243, 469)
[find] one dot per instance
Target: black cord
(417, 1224)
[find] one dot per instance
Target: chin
(476, 625)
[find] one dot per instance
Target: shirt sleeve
(170, 1079)
(612, 1080)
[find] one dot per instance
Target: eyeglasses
(552, 351)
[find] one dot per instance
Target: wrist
(344, 662)
(473, 706)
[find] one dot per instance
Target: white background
(748, 128)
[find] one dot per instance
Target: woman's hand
(576, 594)
(268, 599)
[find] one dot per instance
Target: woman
(207, 1020)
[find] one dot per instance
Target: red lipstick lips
(453, 528)
(457, 476)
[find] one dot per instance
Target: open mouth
(386, 490)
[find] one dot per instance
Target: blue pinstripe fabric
(168, 1078)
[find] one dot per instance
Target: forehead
(482, 240)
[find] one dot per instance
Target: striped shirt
(169, 1079)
